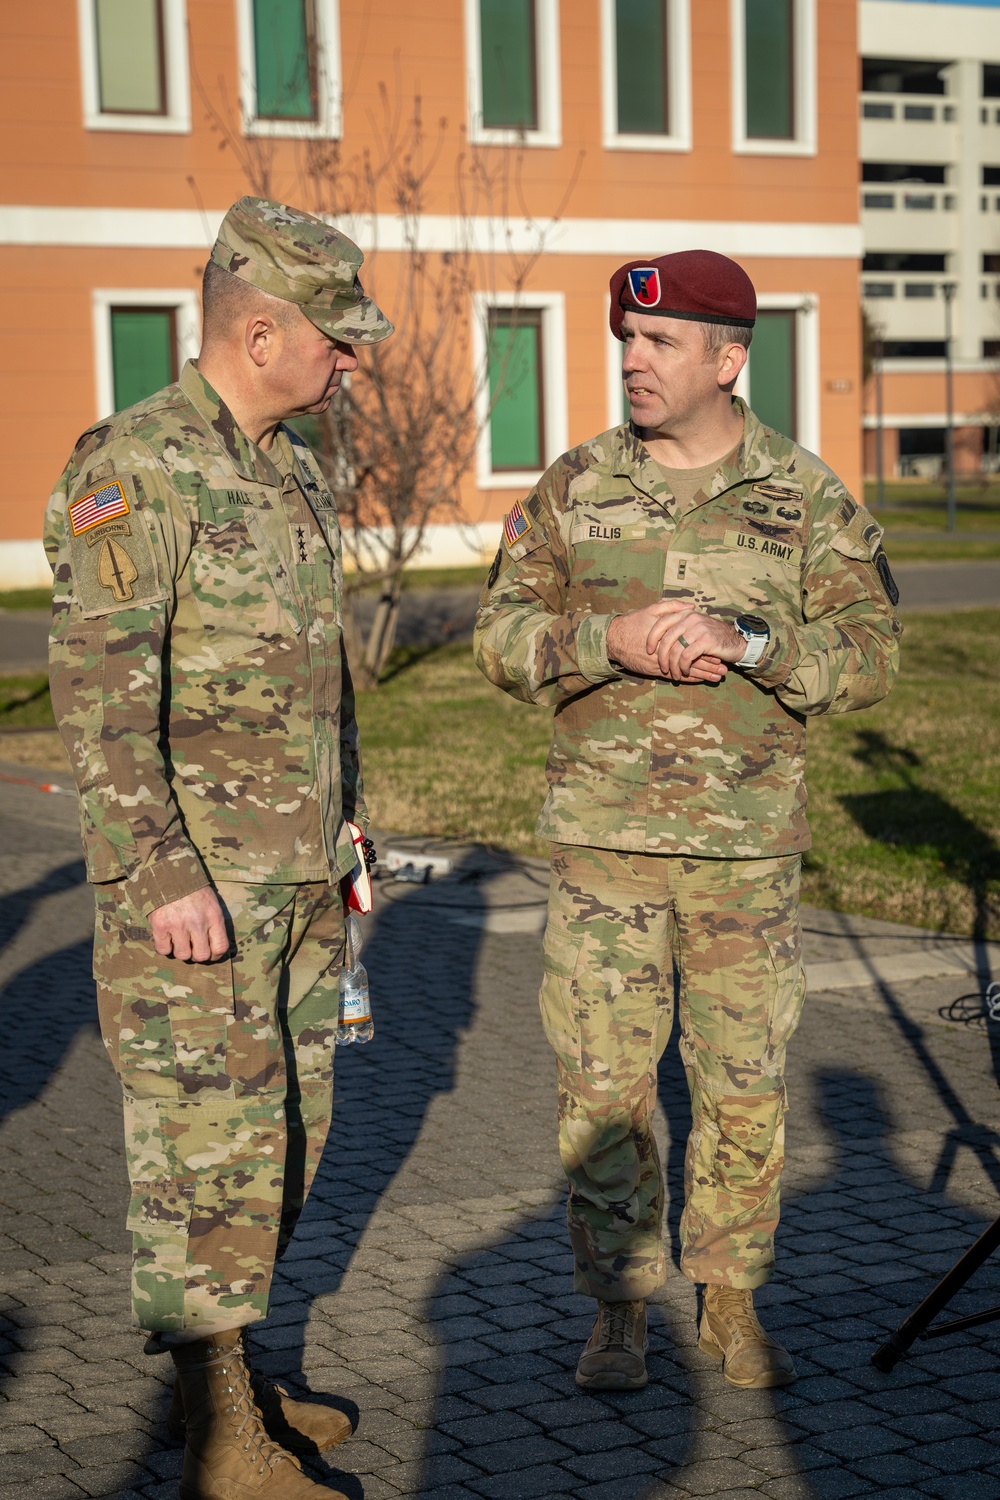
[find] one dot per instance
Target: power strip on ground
(437, 864)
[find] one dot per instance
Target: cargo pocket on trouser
(735, 1152)
(167, 1025)
(607, 1149)
(785, 948)
(207, 1182)
(159, 1216)
(557, 998)
(205, 1149)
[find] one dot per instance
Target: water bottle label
(354, 1009)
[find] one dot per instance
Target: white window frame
(552, 306)
(807, 366)
(805, 305)
(329, 79)
(549, 132)
(187, 308)
(177, 118)
(804, 142)
(678, 138)
(614, 351)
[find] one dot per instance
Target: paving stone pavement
(428, 1291)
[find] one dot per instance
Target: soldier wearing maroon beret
(686, 591)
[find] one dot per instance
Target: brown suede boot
(614, 1357)
(299, 1426)
(228, 1454)
(730, 1331)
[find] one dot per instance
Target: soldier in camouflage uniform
(200, 685)
(685, 591)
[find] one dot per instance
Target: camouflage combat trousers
(227, 1075)
(617, 925)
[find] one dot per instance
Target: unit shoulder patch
(111, 553)
(885, 574)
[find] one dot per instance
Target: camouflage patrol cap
(296, 257)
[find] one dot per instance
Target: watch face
(754, 623)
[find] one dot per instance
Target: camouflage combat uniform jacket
(197, 666)
(650, 766)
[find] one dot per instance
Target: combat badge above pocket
(111, 553)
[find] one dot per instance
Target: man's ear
(731, 361)
(259, 336)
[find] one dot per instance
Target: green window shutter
(284, 59)
(773, 374)
(507, 40)
(641, 58)
(515, 372)
(130, 56)
(143, 352)
(770, 65)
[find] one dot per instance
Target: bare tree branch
(400, 436)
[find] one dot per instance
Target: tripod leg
(887, 1354)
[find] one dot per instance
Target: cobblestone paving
(428, 1291)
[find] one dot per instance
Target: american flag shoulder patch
(97, 507)
(515, 524)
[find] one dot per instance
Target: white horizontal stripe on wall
(186, 229)
(928, 419)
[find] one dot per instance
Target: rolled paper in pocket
(357, 886)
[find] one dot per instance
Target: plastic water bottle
(354, 1021)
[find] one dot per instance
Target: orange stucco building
(130, 125)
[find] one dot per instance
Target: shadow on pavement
(853, 1252)
(421, 978)
(856, 1253)
(422, 987)
(908, 817)
(47, 1003)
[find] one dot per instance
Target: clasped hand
(671, 639)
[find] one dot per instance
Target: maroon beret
(698, 285)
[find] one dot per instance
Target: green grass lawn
(919, 506)
(903, 804)
(24, 702)
(26, 599)
(903, 797)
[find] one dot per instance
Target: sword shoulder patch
(111, 557)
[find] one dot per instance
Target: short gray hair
(718, 335)
(227, 299)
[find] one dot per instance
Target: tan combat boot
(614, 1357)
(298, 1426)
(228, 1454)
(730, 1331)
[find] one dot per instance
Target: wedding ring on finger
(683, 642)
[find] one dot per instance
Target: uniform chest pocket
(617, 562)
(739, 566)
(244, 595)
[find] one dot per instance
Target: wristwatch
(755, 632)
